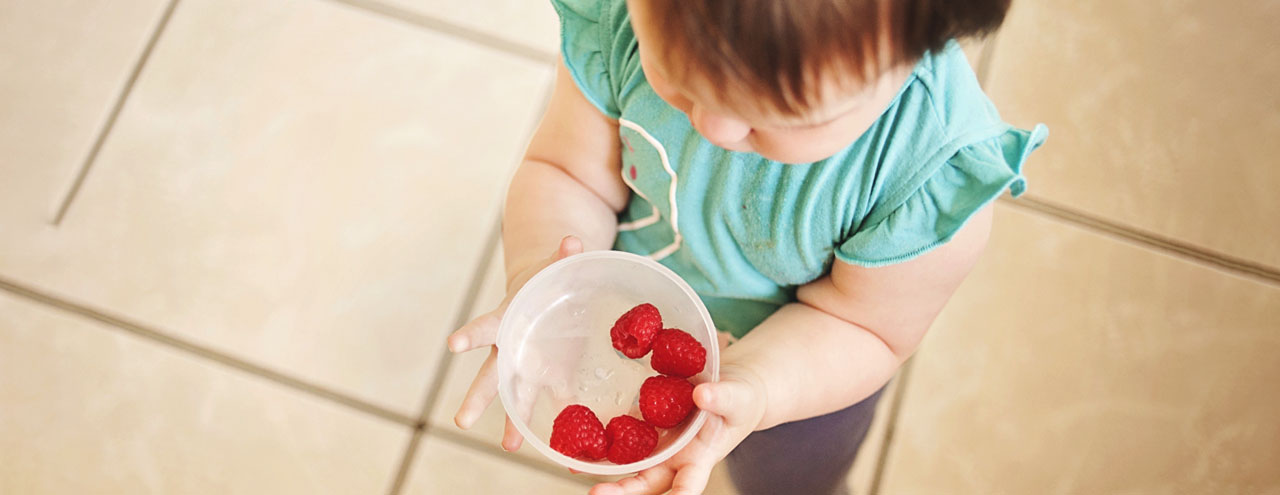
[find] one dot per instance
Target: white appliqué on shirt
(653, 218)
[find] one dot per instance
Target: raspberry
(577, 432)
(633, 332)
(677, 353)
(630, 439)
(666, 400)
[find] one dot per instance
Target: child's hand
(736, 405)
(483, 331)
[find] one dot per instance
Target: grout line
(442, 366)
(445, 27)
(478, 276)
(402, 471)
(463, 316)
(204, 352)
(1178, 249)
(113, 115)
(462, 440)
(895, 409)
(453, 436)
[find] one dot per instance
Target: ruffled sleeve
(944, 201)
(589, 31)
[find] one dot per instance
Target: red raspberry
(633, 332)
(677, 353)
(666, 400)
(577, 432)
(630, 439)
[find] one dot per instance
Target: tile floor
(233, 234)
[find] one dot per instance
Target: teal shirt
(745, 231)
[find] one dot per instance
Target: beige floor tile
(444, 468)
(1072, 363)
(90, 409)
(1163, 114)
(62, 64)
(299, 183)
(531, 23)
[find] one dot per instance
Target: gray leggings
(808, 457)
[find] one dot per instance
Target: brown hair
(775, 49)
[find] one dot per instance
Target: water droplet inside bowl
(603, 374)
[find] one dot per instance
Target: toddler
(819, 171)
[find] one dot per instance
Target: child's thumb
(724, 398)
(569, 246)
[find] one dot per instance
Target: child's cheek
(679, 102)
(802, 146)
(669, 95)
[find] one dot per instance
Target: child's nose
(721, 130)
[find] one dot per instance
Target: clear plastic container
(555, 350)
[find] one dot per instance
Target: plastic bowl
(555, 348)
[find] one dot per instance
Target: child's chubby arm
(568, 184)
(849, 331)
(564, 198)
(839, 343)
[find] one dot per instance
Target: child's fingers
(481, 393)
(653, 481)
(479, 332)
(606, 489)
(691, 479)
(724, 397)
(737, 401)
(483, 330)
(625, 486)
(511, 438)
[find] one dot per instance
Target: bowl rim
(505, 363)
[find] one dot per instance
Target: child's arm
(838, 344)
(569, 184)
(849, 331)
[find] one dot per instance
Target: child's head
(793, 80)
